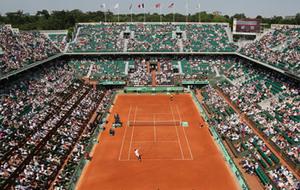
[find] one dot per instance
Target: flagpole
(144, 13)
(199, 13)
(131, 14)
(160, 14)
(118, 14)
(186, 6)
(174, 14)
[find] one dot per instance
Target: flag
(141, 6)
(158, 5)
(171, 5)
(117, 6)
(130, 6)
(198, 6)
(102, 5)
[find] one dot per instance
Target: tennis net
(154, 123)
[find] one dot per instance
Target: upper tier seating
(265, 49)
(23, 48)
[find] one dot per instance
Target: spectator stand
(58, 37)
(76, 168)
(278, 48)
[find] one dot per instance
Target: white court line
(185, 135)
(175, 159)
(149, 113)
(177, 133)
(153, 141)
(132, 133)
(178, 112)
(154, 128)
(124, 134)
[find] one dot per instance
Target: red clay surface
(173, 157)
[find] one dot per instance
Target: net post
(128, 123)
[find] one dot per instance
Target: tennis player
(136, 151)
(171, 97)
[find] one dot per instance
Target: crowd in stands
(25, 105)
(265, 49)
(59, 40)
(140, 76)
(64, 178)
(20, 49)
(104, 68)
(166, 74)
(153, 38)
(45, 165)
(207, 38)
(279, 120)
(98, 38)
(284, 178)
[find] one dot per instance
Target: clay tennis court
(173, 156)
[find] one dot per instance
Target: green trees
(43, 20)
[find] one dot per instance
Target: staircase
(153, 72)
(266, 103)
(179, 67)
(125, 45)
(180, 45)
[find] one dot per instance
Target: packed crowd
(284, 178)
(66, 174)
(20, 49)
(213, 100)
(59, 40)
(26, 107)
(140, 75)
(44, 166)
(166, 74)
(265, 48)
(153, 38)
(105, 68)
(207, 38)
(98, 38)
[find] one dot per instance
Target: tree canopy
(56, 20)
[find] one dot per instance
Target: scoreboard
(246, 26)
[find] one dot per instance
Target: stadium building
(199, 110)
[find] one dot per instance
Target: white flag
(198, 6)
(117, 6)
(102, 5)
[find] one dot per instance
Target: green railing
(92, 142)
(156, 89)
(238, 174)
(192, 82)
(199, 106)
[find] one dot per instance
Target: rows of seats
(21, 49)
(140, 75)
(283, 178)
(279, 121)
(207, 38)
(59, 40)
(99, 68)
(153, 38)
(64, 178)
(26, 115)
(265, 49)
(239, 136)
(60, 144)
(98, 38)
(228, 123)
